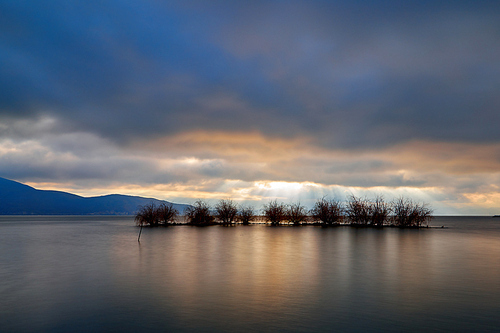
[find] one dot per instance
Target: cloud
(126, 71)
(181, 93)
(250, 167)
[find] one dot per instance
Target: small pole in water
(139, 238)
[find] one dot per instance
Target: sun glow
(284, 186)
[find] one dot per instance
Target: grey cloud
(82, 83)
(349, 75)
(44, 164)
(424, 76)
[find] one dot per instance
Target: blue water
(81, 274)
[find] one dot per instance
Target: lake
(89, 273)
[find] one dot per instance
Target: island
(356, 212)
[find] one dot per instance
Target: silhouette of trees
(379, 211)
(401, 212)
(361, 211)
(226, 211)
(358, 210)
(199, 213)
(296, 213)
(275, 212)
(246, 215)
(153, 215)
(407, 213)
(327, 211)
(166, 213)
(147, 215)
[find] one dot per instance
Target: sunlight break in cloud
(252, 168)
(182, 100)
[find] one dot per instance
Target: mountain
(20, 199)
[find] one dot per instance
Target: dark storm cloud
(115, 69)
(350, 73)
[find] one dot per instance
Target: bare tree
(147, 215)
(407, 213)
(275, 212)
(226, 211)
(421, 215)
(246, 215)
(167, 213)
(296, 213)
(199, 213)
(327, 211)
(379, 211)
(358, 210)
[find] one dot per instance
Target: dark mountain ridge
(20, 199)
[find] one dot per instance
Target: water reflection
(83, 275)
(243, 275)
(314, 278)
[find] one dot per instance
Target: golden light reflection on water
(262, 275)
(90, 273)
(255, 265)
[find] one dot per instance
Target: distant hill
(20, 199)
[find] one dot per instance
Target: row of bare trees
(153, 215)
(328, 212)
(356, 211)
(407, 213)
(401, 212)
(200, 213)
(226, 212)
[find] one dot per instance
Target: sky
(254, 100)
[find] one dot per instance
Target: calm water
(67, 274)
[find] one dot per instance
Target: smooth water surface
(67, 274)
